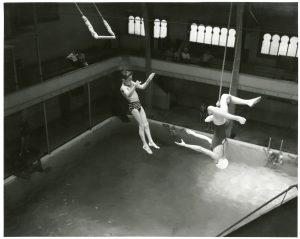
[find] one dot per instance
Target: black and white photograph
(150, 119)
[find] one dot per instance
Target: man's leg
(147, 129)
(135, 113)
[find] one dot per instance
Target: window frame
(134, 16)
(212, 26)
(268, 56)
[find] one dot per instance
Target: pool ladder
(251, 213)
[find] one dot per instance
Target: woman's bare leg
(225, 100)
(239, 101)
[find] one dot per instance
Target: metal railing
(251, 213)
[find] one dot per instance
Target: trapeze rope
(223, 65)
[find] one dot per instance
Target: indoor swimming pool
(103, 183)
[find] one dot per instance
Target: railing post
(15, 68)
(46, 128)
(90, 109)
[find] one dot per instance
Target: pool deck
(102, 183)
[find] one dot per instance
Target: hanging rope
(90, 27)
(231, 77)
(225, 51)
(78, 8)
(98, 11)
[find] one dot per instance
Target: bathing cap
(222, 163)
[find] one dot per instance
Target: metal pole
(237, 58)
(37, 44)
(280, 150)
(269, 144)
(15, 68)
(90, 109)
(41, 74)
(46, 127)
(149, 92)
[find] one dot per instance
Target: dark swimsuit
(219, 134)
(134, 105)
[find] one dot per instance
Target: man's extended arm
(200, 149)
(145, 84)
(200, 136)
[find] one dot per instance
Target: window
(193, 33)
(279, 46)
(212, 35)
(293, 47)
(216, 36)
(160, 28)
(136, 26)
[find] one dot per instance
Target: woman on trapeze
(220, 116)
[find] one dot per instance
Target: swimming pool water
(106, 185)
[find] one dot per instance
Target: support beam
(237, 57)
(37, 43)
(148, 67)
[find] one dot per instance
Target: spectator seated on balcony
(177, 55)
(206, 58)
(169, 54)
(77, 58)
(185, 55)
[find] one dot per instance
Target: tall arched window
(265, 48)
(292, 47)
(212, 35)
(223, 37)
(156, 28)
(216, 36)
(193, 32)
(200, 35)
(137, 26)
(131, 25)
(231, 38)
(160, 28)
(163, 28)
(274, 45)
(142, 27)
(283, 47)
(208, 35)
